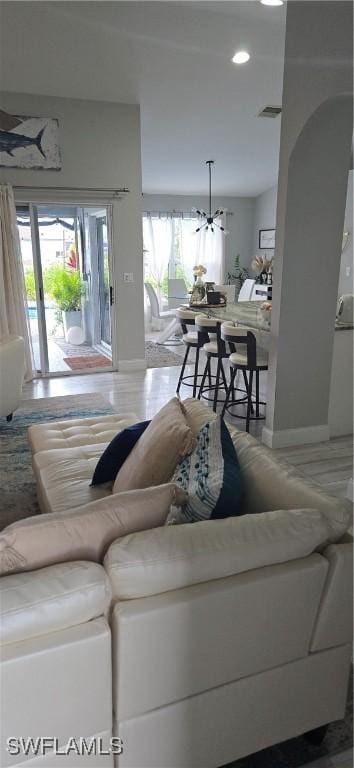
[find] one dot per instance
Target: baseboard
(285, 438)
(132, 365)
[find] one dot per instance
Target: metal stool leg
(182, 369)
(195, 382)
(249, 401)
(257, 392)
(246, 385)
(206, 372)
(223, 374)
(209, 377)
(233, 383)
(217, 383)
(229, 390)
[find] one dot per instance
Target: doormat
(81, 362)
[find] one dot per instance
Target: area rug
(82, 362)
(18, 496)
(158, 356)
(296, 753)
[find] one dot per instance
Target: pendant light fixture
(210, 217)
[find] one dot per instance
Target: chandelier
(210, 217)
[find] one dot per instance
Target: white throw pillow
(84, 533)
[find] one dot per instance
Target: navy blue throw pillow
(117, 452)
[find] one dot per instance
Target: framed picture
(266, 238)
(29, 142)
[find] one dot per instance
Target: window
(172, 248)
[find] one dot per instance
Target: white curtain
(158, 243)
(13, 314)
(204, 247)
(188, 249)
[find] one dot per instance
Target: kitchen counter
(249, 313)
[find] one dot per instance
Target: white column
(315, 153)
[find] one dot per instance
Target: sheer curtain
(13, 315)
(158, 243)
(204, 247)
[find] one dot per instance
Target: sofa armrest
(177, 556)
(51, 599)
(274, 484)
(334, 625)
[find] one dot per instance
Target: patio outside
(62, 285)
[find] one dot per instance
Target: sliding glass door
(97, 270)
(66, 259)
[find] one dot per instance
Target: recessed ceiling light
(241, 57)
(272, 2)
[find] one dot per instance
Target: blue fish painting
(10, 141)
(32, 143)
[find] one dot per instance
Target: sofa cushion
(51, 599)
(176, 556)
(84, 533)
(75, 432)
(118, 450)
(211, 476)
(154, 458)
(272, 484)
(64, 475)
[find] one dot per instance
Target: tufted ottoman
(64, 456)
(74, 432)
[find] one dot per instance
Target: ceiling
(174, 59)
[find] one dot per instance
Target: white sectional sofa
(178, 643)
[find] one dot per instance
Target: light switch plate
(128, 277)
(347, 271)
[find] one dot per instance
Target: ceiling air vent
(269, 112)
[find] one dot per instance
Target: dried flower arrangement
(262, 264)
(199, 270)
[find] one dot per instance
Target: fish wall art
(29, 142)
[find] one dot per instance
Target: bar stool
(250, 360)
(215, 348)
(191, 340)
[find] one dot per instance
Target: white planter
(71, 319)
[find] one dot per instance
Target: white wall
(346, 281)
(315, 149)
(265, 211)
(239, 222)
(100, 147)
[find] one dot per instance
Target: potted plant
(65, 287)
(238, 276)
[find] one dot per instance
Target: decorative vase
(198, 291)
(71, 319)
(201, 288)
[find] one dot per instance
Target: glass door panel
(99, 287)
(104, 281)
(25, 234)
(66, 263)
